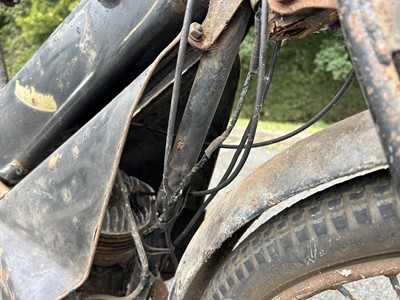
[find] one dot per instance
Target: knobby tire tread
(355, 220)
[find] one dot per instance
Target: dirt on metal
(5, 290)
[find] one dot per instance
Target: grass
(287, 127)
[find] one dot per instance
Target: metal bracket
(293, 6)
(218, 17)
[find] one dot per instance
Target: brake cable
(177, 84)
(309, 123)
(262, 89)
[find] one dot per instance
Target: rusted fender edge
(345, 150)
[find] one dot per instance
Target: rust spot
(356, 27)
(54, 160)
(180, 7)
(18, 167)
(75, 151)
(159, 290)
(293, 6)
(271, 202)
(181, 144)
(254, 202)
(5, 289)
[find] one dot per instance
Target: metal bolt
(195, 31)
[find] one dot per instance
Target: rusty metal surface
(219, 15)
(293, 6)
(343, 150)
(49, 223)
(370, 30)
(158, 290)
(335, 278)
(302, 24)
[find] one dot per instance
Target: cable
(177, 84)
(334, 100)
(262, 89)
(250, 132)
(312, 121)
(303, 127)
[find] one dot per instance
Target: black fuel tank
(98, 49)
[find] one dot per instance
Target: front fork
(372, 30)
(214, 68)
(211, 78)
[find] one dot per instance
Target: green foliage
(309, 72)
(333, 58)
(26, 26)
(305, 80)
(43, 18)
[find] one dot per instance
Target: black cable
(262, 89)
(177, 83)
(251, 129)
(309, 123)
(303, 127)
(334, 100)
(215, 144)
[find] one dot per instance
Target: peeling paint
(5, 290)
(75, 151)
(345, 272)
(34, 99)
(54, 160)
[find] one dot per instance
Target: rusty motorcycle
(110, 133)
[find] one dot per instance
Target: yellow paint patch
(29, 96)
(141, 21)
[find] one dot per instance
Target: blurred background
(309, 73)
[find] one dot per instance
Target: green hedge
(309, 73)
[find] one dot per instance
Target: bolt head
(196, 31)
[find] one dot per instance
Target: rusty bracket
(293, 6)
(221, 12)
(219, 15)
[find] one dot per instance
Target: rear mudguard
(345, 150)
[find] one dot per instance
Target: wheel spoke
(395, 284)
(345, 292)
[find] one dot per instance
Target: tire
(349, 224)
